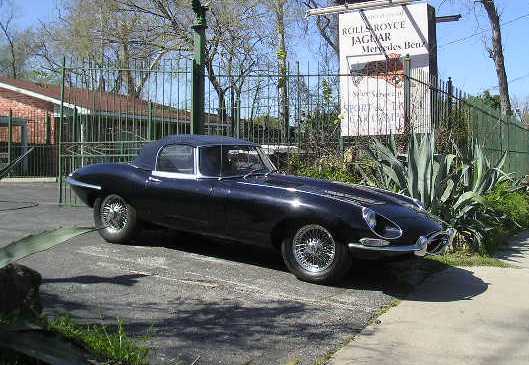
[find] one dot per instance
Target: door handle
(154, 180)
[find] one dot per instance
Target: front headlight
(380, 225)
(370, 217)
(419, 204)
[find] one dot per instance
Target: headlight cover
(419, 204)
(380, 225)
(370, 217)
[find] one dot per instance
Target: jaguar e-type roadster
(229, 189)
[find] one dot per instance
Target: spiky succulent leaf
(450, 186)
(39, 242)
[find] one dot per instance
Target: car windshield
(233, 161)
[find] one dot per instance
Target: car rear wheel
(115, 219)
(312, 254)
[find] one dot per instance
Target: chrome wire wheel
(114, 213)
(314, 248)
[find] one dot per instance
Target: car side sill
(81, 184)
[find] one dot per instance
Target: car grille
(437, 241)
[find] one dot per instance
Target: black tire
(119, 231)
(335, 268)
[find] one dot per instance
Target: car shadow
(419, 279)
(227, 250)
(398, 278)
(125, 280)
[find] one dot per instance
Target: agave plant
(450, 186)
(26, 337)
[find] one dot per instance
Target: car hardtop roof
(147, 156)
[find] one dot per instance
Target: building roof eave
(46, 98)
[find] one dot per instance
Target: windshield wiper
(270, 172)
(253, 172)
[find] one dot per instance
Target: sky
(465, 61)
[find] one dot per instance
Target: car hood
(357, 194)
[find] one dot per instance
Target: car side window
(177, 159)
(209, 161)
(240, 160)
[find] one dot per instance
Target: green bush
(330, 168)
(512, 204)
(513, 207)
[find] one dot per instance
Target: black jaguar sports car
(228, 188)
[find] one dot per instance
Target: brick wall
(32, 110)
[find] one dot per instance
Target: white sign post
(373, 44)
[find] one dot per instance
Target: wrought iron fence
(107, 113)
(460, 119)
(23, 128)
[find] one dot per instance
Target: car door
(250, 209)
(177, 197)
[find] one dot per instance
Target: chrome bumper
(420, 248)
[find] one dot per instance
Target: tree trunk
(496, 53)
(221, 92)
(282, 63)
(13, 61)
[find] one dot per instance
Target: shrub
(329, 167)
(513, 204)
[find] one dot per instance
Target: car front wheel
(313, 255)
(115, 219)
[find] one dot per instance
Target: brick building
(91, 118)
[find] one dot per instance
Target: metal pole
(232, 102)
(450, 96)
(198, 88)
(150, 121)
(48, 129)
(237, 117)
(59, 132)
(24, 146)
(10, 136)
(407, 92)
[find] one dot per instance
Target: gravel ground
(225, 303)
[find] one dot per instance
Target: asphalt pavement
(194, 298)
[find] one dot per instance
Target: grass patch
(295, 361)
(382, 310)
(112, 345)
(468, 260)
(324, 359)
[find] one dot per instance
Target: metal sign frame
(365, 5)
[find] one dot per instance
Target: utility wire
(461, 40)
(511, 81)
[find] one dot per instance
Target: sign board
(372, 51)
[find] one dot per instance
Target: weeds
(468, 260)
(113, 345)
